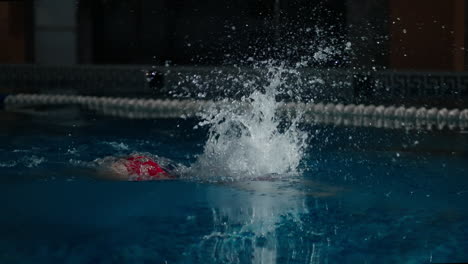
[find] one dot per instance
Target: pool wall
(434, 89)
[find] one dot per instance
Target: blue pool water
(364, 196)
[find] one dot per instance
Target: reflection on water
(282, 221)
(265, 227)
(300, 221)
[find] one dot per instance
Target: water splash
(250, 137)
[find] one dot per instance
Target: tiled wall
(432, 88)
(439, 89)
(85, 80)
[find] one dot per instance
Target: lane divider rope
(328, 113)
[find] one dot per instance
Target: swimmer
(147, 167)
(135, 167)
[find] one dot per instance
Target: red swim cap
(144, 168)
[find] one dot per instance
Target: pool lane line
(328, 113)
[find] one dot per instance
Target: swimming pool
(363, 195)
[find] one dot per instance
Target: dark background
(203, 32)
(388, 34)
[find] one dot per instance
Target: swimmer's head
(135, 167)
